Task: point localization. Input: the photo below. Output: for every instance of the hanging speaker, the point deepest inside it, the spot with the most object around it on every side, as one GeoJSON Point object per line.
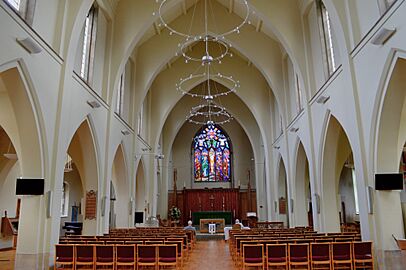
{"type": "Point", "coordinates": [370, 199]}
{"type": "Point", "coordinates": [291, 205]}
{"type": "Point", "coordinates": [103, 205]}
{"type": "Point", "coordinates": [317, 201]}
{"type": "Point", "coordinates": [49, 203]}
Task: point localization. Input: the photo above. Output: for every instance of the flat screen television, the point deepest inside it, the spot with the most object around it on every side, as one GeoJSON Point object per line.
{"type": "Point", "coordinates": [138, 217]}
{"type": "Point", "coordinates": [389, 181]}
{"type": "Point", "coordinates": [30, 186]}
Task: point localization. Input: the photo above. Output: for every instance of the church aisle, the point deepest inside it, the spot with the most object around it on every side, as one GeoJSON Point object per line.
{"type": "Point", "coordinates": [211, 254]}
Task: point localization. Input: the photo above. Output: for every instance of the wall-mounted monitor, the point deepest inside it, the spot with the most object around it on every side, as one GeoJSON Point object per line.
{"type": "Point", "coordinates": [138, 217]}
{"type": "Point", "coordinates": [30, 186]}
{"type": "Point", "coordinates": [389, 181]}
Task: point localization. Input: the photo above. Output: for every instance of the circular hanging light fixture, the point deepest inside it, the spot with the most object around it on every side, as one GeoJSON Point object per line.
{"type": "Point", "coordinates": [215, 50]}
{"type": "Point", "coordinates": [209, 88]}
{"type": "Point", "coordinates": [209, 113]}
{"type": "Point", "coordinates": [188, 34]}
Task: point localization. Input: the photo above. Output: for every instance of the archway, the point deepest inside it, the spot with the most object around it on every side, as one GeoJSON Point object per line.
{"type": "Point", "coordinates": [302, 203]}
{"type": "Point", "coordinates": [72, 194]}
{"type": "Point", "coordinates": [337, 149]}
{"type": "Point", "coordinates": [390, 140]}
{"type": "Point", "coordinates": [140, 185]}
{"type": "Point", "coordinates": [83, 153]}
{"type": "Point", "coordinates": [19, 120]}
{"type": "Point", "coordinates": [9, 171]}
{"type": "Point", "coordinates": [283, 194]}
{"type": "Point", "coordinates": [119, 193]}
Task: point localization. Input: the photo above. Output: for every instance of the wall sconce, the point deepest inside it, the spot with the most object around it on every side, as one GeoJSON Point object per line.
{"type": "Point", "coordinates": [277, 147]}
{"type": "Point", "coordinates": [125, 132]}
{"type": "Point", "coordinates": [294, 129]}
{"type": "Point", "coordinates": [93, 103]}
{"type": "Point", "coordinates": [322, 99]}
{"type": "Point", "coordinates": [29, 45]}
{"type": "Point", "coordinates": [383, 36]}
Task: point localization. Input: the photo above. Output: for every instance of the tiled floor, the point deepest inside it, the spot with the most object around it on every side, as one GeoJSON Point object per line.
{"type": "Point", "coordinates": [210, 255]}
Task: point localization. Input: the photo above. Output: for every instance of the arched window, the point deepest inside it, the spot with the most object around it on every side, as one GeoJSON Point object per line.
{"type": "Point", "coordinates": [211, 151]}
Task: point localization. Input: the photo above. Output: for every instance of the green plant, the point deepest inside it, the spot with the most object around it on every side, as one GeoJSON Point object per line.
{"type": "Point", "coordinates": [174, 213]}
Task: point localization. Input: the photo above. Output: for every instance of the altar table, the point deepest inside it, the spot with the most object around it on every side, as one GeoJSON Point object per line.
{"type": "Point", "coordinates": [204, 224]}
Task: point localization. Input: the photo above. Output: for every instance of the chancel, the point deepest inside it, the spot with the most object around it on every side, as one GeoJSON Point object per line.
{"type": "Point", "coordinates": [138, 116]}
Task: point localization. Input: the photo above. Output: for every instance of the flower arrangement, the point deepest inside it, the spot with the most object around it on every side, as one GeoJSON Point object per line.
{"type": "Point", "coordinates": [174, 213]}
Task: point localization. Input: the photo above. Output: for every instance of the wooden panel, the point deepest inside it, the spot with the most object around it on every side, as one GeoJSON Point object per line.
{"type": "Point", "coordinates": [91, 205]}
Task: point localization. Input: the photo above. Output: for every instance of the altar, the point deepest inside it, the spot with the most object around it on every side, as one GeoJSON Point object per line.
{"type": "Point", "coordinates": [218, 222]}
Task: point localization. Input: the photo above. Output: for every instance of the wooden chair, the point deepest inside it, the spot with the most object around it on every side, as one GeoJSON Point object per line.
{"type": "Point", "coordinates": [147, 256]}
{"type": "Point", "coordinates": [64, 256]}
{"type": "Point", "coordinates": [168, 255]}
{"type": "Point", "coordinates": [320, 256]}
{"type": "Point", "coordinates": [125, 256]}
{"type": "Point", "coordinates": [104, 256]}
{"type": "Point", "coordinates": [363, 255]}
{"type": "Point", "coordinates": [341, 255]}
{"type": "Point", "coordinates": [253, 255]}
{"type": "Point", "coordinates": [276, 255]}
{"type": "Point", "coordinates": [179, 249]}
{"type": "Point", "coordinates": [84, 256]}
{"type": "Point", "coordinates": [299, 256]}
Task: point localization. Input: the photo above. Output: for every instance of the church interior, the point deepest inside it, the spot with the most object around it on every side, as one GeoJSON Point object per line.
{"type": "Point", "coordinates": [282, 122]}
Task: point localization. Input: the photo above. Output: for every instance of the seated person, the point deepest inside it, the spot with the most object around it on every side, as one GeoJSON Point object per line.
{"type": "Point", "coordinates": [238, 225]}
{"type": "Point", "coordinates": [189, 226]}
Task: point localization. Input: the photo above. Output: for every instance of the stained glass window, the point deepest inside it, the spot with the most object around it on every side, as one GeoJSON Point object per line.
{"type": "Point", "coordinates": [211, 155]}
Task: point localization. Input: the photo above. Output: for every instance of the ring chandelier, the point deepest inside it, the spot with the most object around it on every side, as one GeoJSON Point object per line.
{"type": "Point", "coordinates": [164, 4]}
{"type": "Point", "coordinates": [207, 88]}
{"type": "Point", "coordinates": [208, 57]}
{"type": "Point", "coordinates": [209, 113]}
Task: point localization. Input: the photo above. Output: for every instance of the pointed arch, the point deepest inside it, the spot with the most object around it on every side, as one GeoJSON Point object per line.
{"type": "Point", "coordinates": [140, 187]}
{"type": "Point", "coordinates": [119, 178]}
{"type": "Point", "coordinates": [302, 187]}
{"type": "Point", "coordinates": [83, 152]}
{"type": "Point", "coordinates": [336, 150]}
{"type": "Point", "coordinates": [282, 192]}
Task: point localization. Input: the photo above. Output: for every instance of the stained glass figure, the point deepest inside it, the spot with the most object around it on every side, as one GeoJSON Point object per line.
{"type": "Point", "coordinates": [211, 155]}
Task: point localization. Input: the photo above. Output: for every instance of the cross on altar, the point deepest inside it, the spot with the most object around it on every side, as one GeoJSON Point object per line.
{"type": "Point", "coordinates": [211, 198]}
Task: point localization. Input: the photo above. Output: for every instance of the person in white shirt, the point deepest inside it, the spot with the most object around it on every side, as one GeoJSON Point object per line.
{"type": "Point", "coordinates": [189, 226]}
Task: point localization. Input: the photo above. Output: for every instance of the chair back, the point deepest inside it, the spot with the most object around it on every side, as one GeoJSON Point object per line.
{"type": "Point", "coordinates": [299, 252]}
{"type": "Point", "coordinates": [320, 251]}
{"type": "Point", "coordinates": [341, 251]}
{"type": "Point", "coordinates": [154, 242]}
{"type": "Point", "coordinates": [64, 252]}
{"type": "Point", "coordinates": [253, 253]}
{"type": "Point", "coordinates": [146, 253]}
{"type": "Point", "coordinates": [104, 253]}
{"type": "Point", "coordinates": [276, 252]}
{"type": "Point", "coordinates": [84, 253]}
{"type": "Point", "coordinates": [362, 250]}
{"type": "Point", "coordinates": [167, 253]}
{"type": "Point", "coordinates": [125, 253]}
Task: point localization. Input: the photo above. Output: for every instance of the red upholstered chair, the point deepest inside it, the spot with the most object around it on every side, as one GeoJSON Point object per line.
{"type": "Point", "coordinates": [179, 249]}
{"type": "Point", "coordinates": [64, 256]}
{"type": "Point", "coordinates": [84, 256]}
{"type": "Point", "coordinates": [342, 255]}
{"type": "Point", "coordinates": [320, 255]}
{"type": "Point", "coordinates": [168, 255]}
{"type": "Point", "coordinates": [147, 256]}
{"type": "Point", "coordinates": [104, 256]}
{"type": "Point", "coordinates": [299, 256]}
{"type": "Point", "coordinates": [253, 255]}
{"type": "Point", "coordinates": [125, 256]}
{"type": "Point", "coordinates": [363, 257]}
{"type": "Point", "coordinates": [277, 255]}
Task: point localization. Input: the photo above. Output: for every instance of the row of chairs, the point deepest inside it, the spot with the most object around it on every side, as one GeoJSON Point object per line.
{"type": "Point", "coordinates": [117, 256]}
{"type": "Point", "coordinates": [351, 255]}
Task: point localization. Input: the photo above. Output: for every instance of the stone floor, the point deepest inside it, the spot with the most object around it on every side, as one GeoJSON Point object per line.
{"type": "Point", "coordinates": [210, 255]}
